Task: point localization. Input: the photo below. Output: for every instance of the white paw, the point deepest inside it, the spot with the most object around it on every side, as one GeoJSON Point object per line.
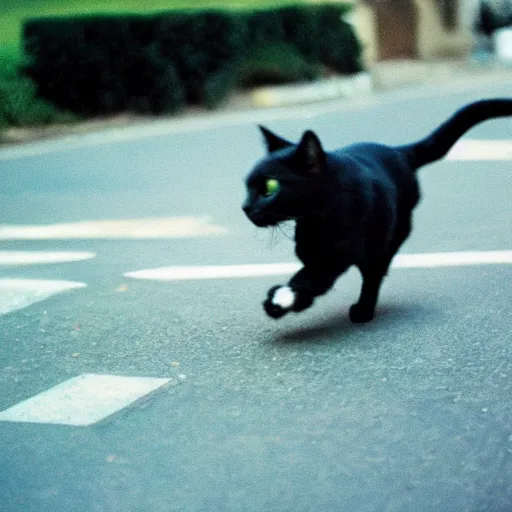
{"type": "Point", "coordinates": [283, 297]}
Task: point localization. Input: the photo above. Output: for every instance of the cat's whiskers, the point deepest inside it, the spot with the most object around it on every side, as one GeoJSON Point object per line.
{"type": "Point", "coordinates": [285, 227]}
{"type": "Point", "coordinates": [272, 241]}
{"type": "Point", "coordinates": [282, 225]}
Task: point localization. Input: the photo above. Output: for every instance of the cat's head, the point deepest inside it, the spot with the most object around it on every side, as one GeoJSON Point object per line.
{"type": "Point", "coordinates": [288, 183]}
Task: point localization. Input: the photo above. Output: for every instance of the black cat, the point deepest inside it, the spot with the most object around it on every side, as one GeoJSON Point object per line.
{"type": "Point", "coordinates": [352, 206]}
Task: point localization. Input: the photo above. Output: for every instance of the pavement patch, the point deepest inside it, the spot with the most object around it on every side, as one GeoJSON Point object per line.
{"type": "Point", "coordinates": [321, 90]}
{"type": "Point", "coordinates": [83, 400]}
{"type": "Point", "coordinates": [17, 258]}
{"type": "Point", "coordinates": [149, 228]}
{"type": "Point", "coordinates": [428, 260]}
{"type": "Point", "coordinates": [17, 294]}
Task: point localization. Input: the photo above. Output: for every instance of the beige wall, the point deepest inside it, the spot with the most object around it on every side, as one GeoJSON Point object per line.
{"type": "Point", "coordinates": [363, 20]}
{"type": "Point", "coordinates": [433, 39]}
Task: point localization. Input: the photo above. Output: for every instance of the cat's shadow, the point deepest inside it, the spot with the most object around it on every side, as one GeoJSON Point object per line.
{"type": "Point", "coordinates": [333, 324]}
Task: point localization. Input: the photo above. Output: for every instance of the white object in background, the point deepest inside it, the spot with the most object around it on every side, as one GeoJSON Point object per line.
{"type": "Point", "coordinates": [503, 44]}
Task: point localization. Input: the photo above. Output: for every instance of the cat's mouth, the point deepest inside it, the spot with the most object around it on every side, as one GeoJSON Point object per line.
{"type": "Point", "coordinates": [264, 221]}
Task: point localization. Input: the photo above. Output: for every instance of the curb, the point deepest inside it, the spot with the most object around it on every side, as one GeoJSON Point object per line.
{"type": "Point", "coordinates": [328, 89]}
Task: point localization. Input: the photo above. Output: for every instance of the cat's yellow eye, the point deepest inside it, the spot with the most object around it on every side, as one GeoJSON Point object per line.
{"type": "Point", "coordinates": [271, 187]}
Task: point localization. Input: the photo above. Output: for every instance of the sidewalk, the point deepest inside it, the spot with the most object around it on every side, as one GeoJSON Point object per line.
{"type": "Point", "coordinates": [383, 76]}
{"type": "Point", "coordinates": [407, 73]}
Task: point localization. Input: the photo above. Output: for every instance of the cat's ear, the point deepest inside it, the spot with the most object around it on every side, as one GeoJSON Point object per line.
{"type": "Point", "coordinates": [310, 153]}
{"type": "Point", "coordinates": [273, 141]}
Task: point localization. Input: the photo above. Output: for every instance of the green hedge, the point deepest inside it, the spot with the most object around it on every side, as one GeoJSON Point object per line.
{"type": "Point", "coordinates": [158, 63]}
{"type": "Point", "coordinates": [19, 104]}
{"type": "Point", "coordinates": [277, 63]}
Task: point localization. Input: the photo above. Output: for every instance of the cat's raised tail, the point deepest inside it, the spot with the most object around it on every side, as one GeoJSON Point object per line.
{"type": "Point", "coordinates": [437, 144]}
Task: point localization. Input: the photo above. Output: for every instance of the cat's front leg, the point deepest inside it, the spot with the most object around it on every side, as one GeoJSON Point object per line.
{"type": "Point", "coordinates": [282, 298]}
{"type": "Point", "coordinates": [300, 292]}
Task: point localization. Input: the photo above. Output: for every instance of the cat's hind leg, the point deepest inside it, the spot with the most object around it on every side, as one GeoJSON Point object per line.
{"type": "Point", "coordinates": [374, 272]}
{"type": "Point", "coordinates": [364, 309]}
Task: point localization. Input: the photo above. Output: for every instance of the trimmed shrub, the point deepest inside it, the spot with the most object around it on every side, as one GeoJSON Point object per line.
{"type": "Point", "coordinates": [104, 64]}
{"type": "Point", "coordinates": [263, 28]}
{"type": "Point", "coordinates": [217, 87]}
{"type": "Point", "coordinates": [94, 66]}
{"type": "Point", "coordinates": [277, 63]}
{"type": "Point", "coordinates": [19, 105]}
{"type": "Point", "coordinates": [150, 83]}
{"type": "Point", "coordinates": [203, 47]}
{"type": "Point", "coordinates": [321, 34]}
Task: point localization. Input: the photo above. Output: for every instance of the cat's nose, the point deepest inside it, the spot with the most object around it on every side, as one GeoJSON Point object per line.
{"type": "Point", "coordinates": [246, 208]}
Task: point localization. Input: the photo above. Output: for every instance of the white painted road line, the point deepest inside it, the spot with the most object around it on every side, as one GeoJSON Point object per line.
{"type": "Point", "coordinates": [16, 258]}
{"type": "Point", "coordinates": [17, 294]}
{"type": "Point", "coordinates": [429, 260]}
{"type": "Point", "coordinates": [149, 228]}
{"type": "Point", "coordinates": [481, 150]}
{"type": "Point", "coordinates": [452, 259]}
{"type": "Point", "coordinates": [214, 272]}
{"type": "Point", "coordinates": [83, 400]}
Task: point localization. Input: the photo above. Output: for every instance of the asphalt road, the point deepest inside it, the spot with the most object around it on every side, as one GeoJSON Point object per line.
{"type": "Point", "coordinates": [412, 412]}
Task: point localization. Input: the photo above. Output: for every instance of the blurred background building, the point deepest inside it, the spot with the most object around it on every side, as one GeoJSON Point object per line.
{"type": "Point", "coordinates": [423, 29]}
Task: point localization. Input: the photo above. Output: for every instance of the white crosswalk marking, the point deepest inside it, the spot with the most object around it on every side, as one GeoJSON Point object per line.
{"type": "Point", "coordinates": [17, 258]}
{"type": "Point", "coordinates": [17, 294]}
{"type": "Point", "coordinates": [150, 228]}
{"type": "Point", "coordinates": [82, 400]}
{"type": "Point", "coordinates": [180, 273]}
{"type": "Point", "coordinates": [429, 260]}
